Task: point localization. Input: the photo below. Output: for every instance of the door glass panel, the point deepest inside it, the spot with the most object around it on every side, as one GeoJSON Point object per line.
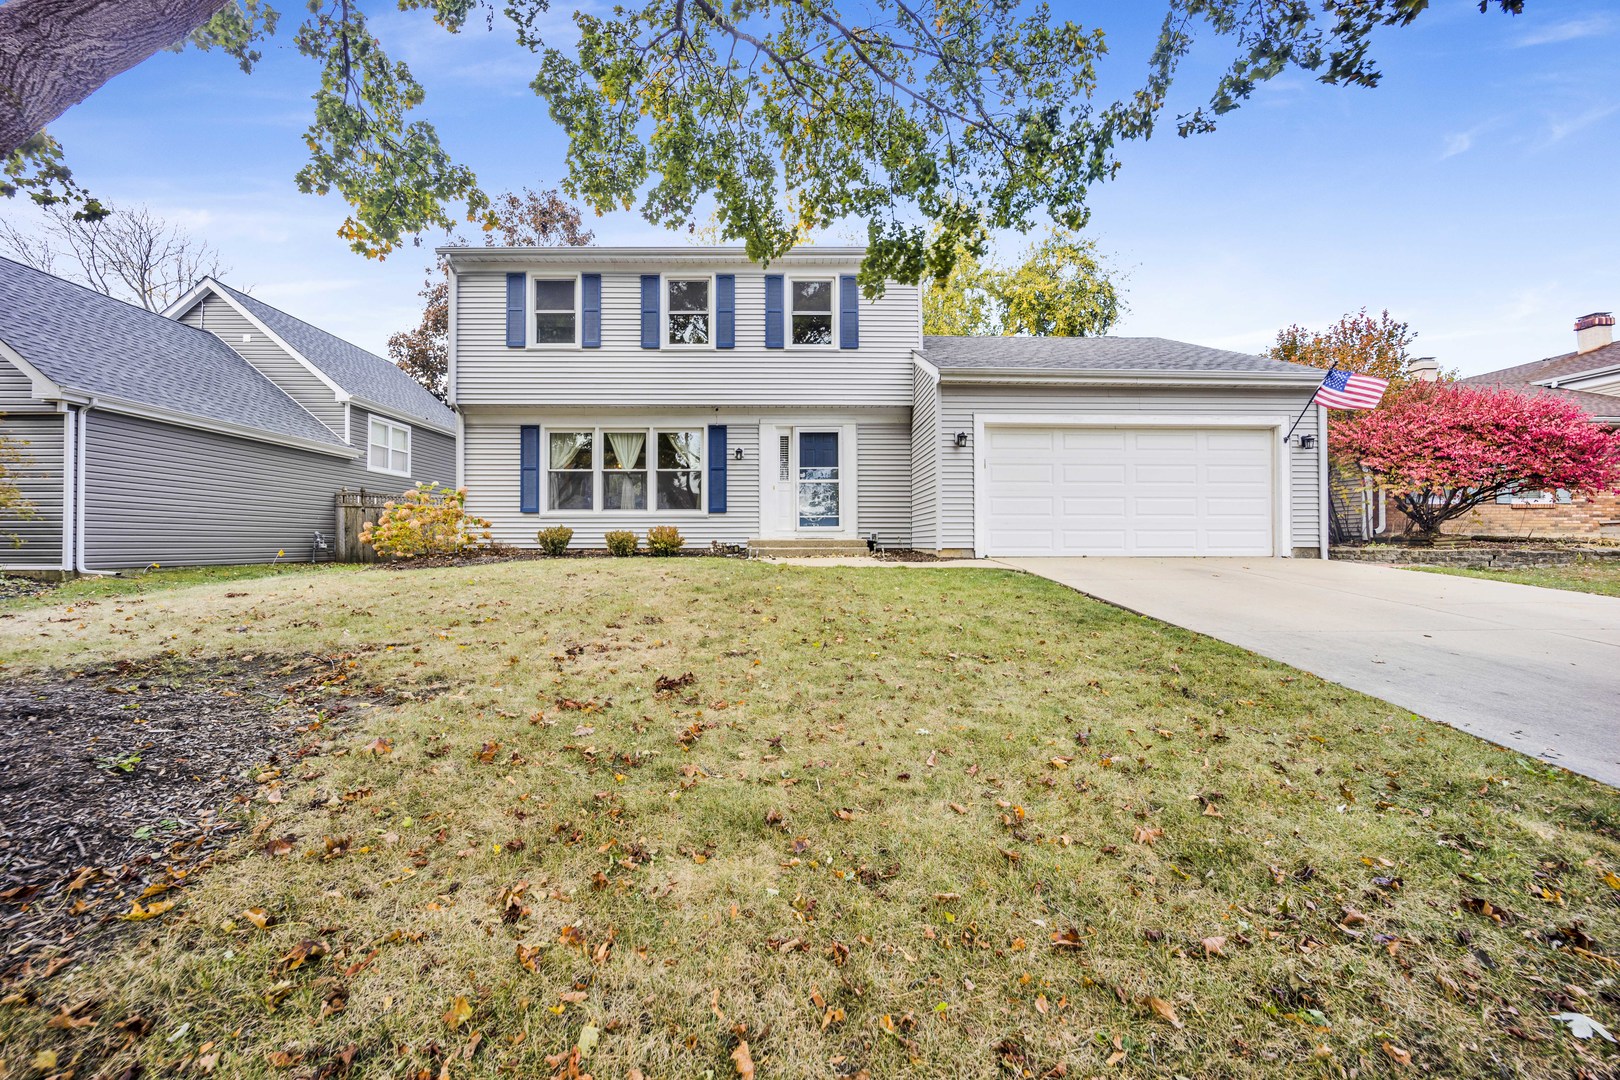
{"type": "Point", "coordinates": [819, 480]}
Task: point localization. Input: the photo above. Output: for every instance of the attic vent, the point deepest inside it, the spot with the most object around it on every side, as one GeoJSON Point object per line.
{"type": "Point", "coordinates": [247, 337]}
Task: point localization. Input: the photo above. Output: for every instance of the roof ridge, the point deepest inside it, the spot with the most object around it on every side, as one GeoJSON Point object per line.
{"type": "Point", "coordinates": [302, 322]}
{"type": "Point", "coordinates": [99, 295]}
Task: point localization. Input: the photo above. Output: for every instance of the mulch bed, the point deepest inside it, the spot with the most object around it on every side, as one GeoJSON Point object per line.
{"type": "Point", "coordinates": [487, 556]}
{"type": "Point", "coordinates": [16, 588]}
{"type": "Point", "coordinates": [118, 783]}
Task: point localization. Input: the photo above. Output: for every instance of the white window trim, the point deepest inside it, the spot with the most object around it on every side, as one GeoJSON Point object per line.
{"type": "Point", "coordinates": [598, 450]}
{"type": "Point", "coordinates": [787, 311]}
{"type": "Point", "coordinates": [665, 312]}
{"type": "Point", "coordinates": [529, 311]}
{"type": "Point", "coordinates": [390, 427]}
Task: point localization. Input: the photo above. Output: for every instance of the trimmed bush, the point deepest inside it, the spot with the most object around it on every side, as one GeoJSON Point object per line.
{"type": "Point", "coordinates": [554, 541]}
{"type": "Point", "coordinates": [620, 542]}
{"type": "Point", "coordinates": [427, 520]}
{"type": "Point", "coordinates": [664, 540]}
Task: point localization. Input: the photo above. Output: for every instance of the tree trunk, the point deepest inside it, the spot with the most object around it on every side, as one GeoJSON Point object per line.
{"type": "Point", "coordinates": [56, 53]}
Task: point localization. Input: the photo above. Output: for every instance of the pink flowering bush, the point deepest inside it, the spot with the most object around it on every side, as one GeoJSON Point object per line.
{"type": "Point", "coordinates": [1441, 449]}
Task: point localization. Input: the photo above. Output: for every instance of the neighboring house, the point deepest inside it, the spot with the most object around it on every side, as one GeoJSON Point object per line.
{"type": "Point", "coordinates": [1589, 377]}
{"type": "Point", "coordinates": [621, 388]}
{"type": "Point", "coordinates": [216, 434]}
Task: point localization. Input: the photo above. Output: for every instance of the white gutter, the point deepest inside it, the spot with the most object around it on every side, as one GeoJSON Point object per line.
{"type": "Point", "coordinates": [662, 256]}
{"type": "Point", "coordinates": [1124, 377]}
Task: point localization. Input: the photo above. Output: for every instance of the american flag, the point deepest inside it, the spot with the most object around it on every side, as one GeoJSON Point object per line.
{"type": "Point", "coordinates": [1347, 390]}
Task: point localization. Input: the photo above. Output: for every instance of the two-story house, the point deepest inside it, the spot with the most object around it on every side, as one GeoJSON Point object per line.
{"type": "Point", "coordinates": [620, 388]}
{"type": "Point", "coordinates": [219, 433]}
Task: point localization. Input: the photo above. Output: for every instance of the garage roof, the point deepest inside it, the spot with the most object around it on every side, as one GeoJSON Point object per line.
{"type": "Point", "coordinates": [1098, 355]}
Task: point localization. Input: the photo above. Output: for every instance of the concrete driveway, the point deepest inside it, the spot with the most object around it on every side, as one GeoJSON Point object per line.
{"type": "Point", "coordinates": [1537, 670]}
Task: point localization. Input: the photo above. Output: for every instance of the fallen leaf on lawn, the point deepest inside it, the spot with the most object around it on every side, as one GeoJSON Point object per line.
{"type": "Point", "coordinates": [959, 808]}
{"type": "Point", "coordinates": [1582, 1026]}
{"type": "Point", "coordinates": [307, 949]}
{"type": "Point", "coordinates": [1164, 1011]}
{"type": "Point", "coordinates": [281, 845]}
{"type": "Point", "coordinates": [70, 1019]}
{"type": "Point", "coordinates": [1214, 946]}
{"type": "Point", "coordinates": [1481, 906]}
{"type": "Point", "coordinates": [589, 1036]}
{"type": "Point", "coordinates": [527, 954]}
{"type": "Point", "coordinates": [1147, 836]}
{"type": "Point", "coordinates": [258, 917]}
{"type": "Point", "coordinates": [45, 1060]}
{"type": "Point", "coordinates": [745, 1064]}
{"type": "Point", "coordinates": [1396, 1054]}
{"type": "Point", "coordinates": [136, 912]}
{"type": "Point", "coordinates": [379, 746]}
{"type": "Point", "coordinates": [280, 1059]}
{"type": "Point", "coordinates": [459, 1012]}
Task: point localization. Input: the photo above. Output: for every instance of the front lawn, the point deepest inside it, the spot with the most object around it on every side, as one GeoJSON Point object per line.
{"type": "Point", "coordinates": [705, 817]}
{"type": "Point", "coordinates": [1602, 578]}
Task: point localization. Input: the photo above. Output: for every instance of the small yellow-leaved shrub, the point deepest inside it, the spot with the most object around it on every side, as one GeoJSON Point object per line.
{"type": "Point", "coordinates": [428, 520]}
{"type": "Point", "coordinates": [664, 540]}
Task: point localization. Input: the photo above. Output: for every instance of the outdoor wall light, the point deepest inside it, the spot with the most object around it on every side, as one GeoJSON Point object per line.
{"type": "Point", "coordinates": [1307, 441]}
{"type": "Point", "coordinates": [737, 454]}
{"type": "Point", "coordinates": [961, 438]}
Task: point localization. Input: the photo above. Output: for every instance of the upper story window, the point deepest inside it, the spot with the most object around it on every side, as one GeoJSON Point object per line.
{"type": "Point", "coordinates": [556, 318]}
{"type": "Point", "coordinates": [690, 311]}
{"type": "Point", "coordinates": [812, 311]}
{"type": "Point", "coordinates": [388, 447]}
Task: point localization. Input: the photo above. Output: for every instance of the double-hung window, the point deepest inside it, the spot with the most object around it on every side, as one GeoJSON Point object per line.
{"type": "Point", "coordinates": [680, 470]}
{"type": "Point", "coordinates": [811, 318]}
{"type": "Point", "coordinates": [556, 317]}
{"type": "Point", "coordinates": [571, 478]}
{"type": "Point", "coordinates": [691, 312]}
{"type": "Point", "coordinates": [388, 447]}
{"type": "Point", "coordinates": [624, 470]}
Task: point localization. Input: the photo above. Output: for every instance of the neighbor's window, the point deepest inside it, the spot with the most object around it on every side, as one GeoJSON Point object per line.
{"type": "Point", "coordinates": [680, 470]}
{"type": "Point", "coordinates": [554, 316]}
{"type": "Point", "coordinates": [624, 470]}
{"type": "Point", "coordinates": [813, 311]}
{"type": "Point", "coordinates": [570, 478]}
{"type": "Point", "coordinates": [390, 447]}
{"type": "Point", "coordinates": [688, 310]}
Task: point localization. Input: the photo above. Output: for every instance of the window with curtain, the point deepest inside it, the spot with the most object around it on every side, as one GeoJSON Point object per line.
{"type": "Point", "coordinates": [680, 470]}
{"type": "Point", "coordinates": [555, 319]}
{"type": "Point", "coordinates": [812, 315]}
{"type": "Point", "coordinates": [570, 473]}
{"type": "Point", "coordinates": [624, 470]}
{"type": "Point", "coordinates": [688, 311]}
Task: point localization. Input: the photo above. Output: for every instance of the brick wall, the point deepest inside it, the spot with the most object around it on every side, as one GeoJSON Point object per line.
{"type": "Point", "coordinates": [1584, 517]}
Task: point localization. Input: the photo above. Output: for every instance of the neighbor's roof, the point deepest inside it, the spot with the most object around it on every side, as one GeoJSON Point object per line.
{"type": "Point", "coordinates": [1100, 355]}
{"type": "Point", "coordinates": [100, 347]}
{"type": "Point", "coordinates": [1534, 377]}
{"type": "Point", "coordinates": [363, 374]}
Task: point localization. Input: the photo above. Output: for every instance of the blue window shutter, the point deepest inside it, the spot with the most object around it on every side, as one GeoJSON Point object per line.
{"type": "Point", "coordinates": [529, 468]}
{"type": "Point", "coordinates": [516, 286]}
{"type": "Point", "coordinates": [717, 468]}
{"type": "Point", "coordinates": [649, 311]}
{"type": "Point", "coordinates": [849, 312]}
{"type": "Point", "coordinates": [725, 312]}
{"type": "Point", "coordinates": [590, 295]}
{"type": "Point", "coordinates": [773, 311]}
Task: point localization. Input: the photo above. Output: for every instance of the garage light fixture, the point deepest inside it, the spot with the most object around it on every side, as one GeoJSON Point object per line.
{"type": "Point", "coordinates": [1307, 441]}
{"type": "Point", "coordinates": [961, 438]}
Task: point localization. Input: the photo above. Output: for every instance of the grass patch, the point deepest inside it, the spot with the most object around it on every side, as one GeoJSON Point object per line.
{"type": "Point", "coordinates": [897, 821]}
{"type": "Point", "coordinates": [142, 582]}
{"type": "Point", "coordinates": [1602, 578]}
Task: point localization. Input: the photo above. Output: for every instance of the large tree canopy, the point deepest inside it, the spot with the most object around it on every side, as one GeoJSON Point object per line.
{"type": "Point", "coordinates": [929, 120]}
{"type": "Point", "coordinates": [1059, 287]}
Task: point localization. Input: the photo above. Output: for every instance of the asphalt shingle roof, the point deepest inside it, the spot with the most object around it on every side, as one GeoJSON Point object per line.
{"type": "Point", "coordinates": [1526, 377]}
{"type": "Point", "coordinates": [1093, 354]}
{"type": "Point", "coordinates": [363, 374]}
{"type": "Point", "coordinates": [91, 343]}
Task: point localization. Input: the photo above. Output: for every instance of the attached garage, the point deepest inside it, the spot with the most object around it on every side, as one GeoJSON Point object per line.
{"type": "Point", "coordinates": [1080, 490]}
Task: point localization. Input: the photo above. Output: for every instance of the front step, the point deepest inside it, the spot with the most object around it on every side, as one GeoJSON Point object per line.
{"type": "Point", "coordinates": [811, 547]}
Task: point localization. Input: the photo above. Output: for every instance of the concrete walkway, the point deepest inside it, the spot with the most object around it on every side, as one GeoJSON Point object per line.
{"type": "Point", "coordinates": [1537, 670]}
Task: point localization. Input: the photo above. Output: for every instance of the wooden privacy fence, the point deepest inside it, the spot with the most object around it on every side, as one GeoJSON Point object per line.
{"type": "Point", "coordinates": [354, 509]}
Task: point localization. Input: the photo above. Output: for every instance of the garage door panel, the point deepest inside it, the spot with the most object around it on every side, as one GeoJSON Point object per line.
{"type": "Point", "coordinates": [1125, 491]}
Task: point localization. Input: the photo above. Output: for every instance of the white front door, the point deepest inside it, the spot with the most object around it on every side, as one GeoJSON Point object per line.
{"type": "Point", "coordinates": [808, 486]}
{"type": "Point", "coordinates": [1129, 491]}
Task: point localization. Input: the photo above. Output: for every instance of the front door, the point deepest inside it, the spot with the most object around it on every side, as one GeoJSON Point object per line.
{"type": "Point", "coordinates": [819, 483]}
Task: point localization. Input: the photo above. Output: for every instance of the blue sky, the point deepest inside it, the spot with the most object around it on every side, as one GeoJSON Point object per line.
{"type": "Point", "coordinates": [1471, 194]}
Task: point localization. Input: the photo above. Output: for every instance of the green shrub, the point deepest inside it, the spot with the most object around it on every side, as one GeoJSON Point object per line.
{"type": "Point", "coordinates": [427, 520]}
{"type": "Point", "coordinates": [554, 541]}
{"type": "Point", "coordinates": [664, 540]}
{"type": "Point", "coordinates": [620, 542]}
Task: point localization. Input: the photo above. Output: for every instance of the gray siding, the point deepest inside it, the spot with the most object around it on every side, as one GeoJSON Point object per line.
{"type": "Point", "coordinates": [15, 387]}
{"type": "Point", "coordinates": [433, 456]}
{"type": "Point", "coordinates": [883, 483]}
{"type": "Point", "coordinates": [158, 493]}
{"type": "Point", "coordinates": [493, 487]}
{"type": "Point", "coordinates": [959, 404]}
{"type": "Point", "coordinates": [622, 373]}
{"type": "Point", "coordinates": [39, 439]}
{"type": "Point", "coordinates": [925, 452]}
{"type": "Point", "coordinates": [219, 318]}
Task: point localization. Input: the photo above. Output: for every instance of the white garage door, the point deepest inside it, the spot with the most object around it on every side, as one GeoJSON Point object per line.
{"type": "Point", "coordinates": [1128, 491]}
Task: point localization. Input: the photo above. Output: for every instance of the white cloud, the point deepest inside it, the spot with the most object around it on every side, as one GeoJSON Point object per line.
{"type": "Point", "coordinates": [1568, 30]}
{"type": "Point", "coordinates": [1457, 143]}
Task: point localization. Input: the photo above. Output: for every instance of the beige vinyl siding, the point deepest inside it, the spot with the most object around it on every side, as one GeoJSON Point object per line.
{"type": "Point", "coordinates": [39, 476]}
{"type": "Point", "coordinates": [959, 404]}
{"type": "Point", "coordinates": [925, 451]}
{"type": "Point", "coordinates": [883, 482]}
{"type": "Point", "coordinates": [219, 318]}
{"type": "Point", "coordinates": [622, 373]}
{"type": "Point", "coordinates": [491, 451]}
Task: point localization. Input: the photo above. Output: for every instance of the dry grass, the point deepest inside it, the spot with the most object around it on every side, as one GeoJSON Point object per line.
{"type": "Point", "coordinates": [903, 821]}
{"type": "Point", "coordinates": [1602, 578]}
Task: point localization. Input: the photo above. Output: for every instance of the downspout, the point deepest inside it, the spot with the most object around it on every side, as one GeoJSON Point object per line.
{"type": "Point", "coordinates": [70, 485]}
{"type": "Point", "coordinates": [78, 496]}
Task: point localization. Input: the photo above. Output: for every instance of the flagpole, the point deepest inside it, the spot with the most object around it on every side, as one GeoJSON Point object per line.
{"type": "Point", "coordinates": [1308, 404]}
